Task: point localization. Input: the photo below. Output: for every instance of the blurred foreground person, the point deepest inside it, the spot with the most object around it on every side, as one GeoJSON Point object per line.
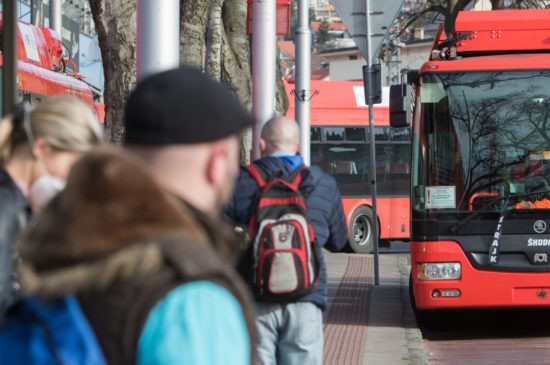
{"type": "Point", "coordinates": [142, 246]}
{"type": "Point", "coordinates": [37, 149]}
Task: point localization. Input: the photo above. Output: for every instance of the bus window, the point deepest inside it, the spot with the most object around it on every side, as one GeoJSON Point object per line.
{"type": "Point", "coordinates": [348, 164]}
{"type": "Point", "coordinates": [316, 153]}
{"type": "Point", "coordinates": [355, 134]}
{"type": "Point", "coordinates": [382, 133]}
{"type": "Point", "coordinates": [315, 134]}
{"type": "Point", "coordinates": [334, 134]}
{"type": "Point", "coordinates": [401, 134]}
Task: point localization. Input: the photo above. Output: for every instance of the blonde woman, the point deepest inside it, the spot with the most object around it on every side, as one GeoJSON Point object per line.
{"type": "Point", "coordinates": [37, 150]}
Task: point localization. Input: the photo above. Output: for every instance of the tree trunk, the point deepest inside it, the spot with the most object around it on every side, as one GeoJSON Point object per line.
{"type": "Point", "coordinates": [115, 22]}
{"type": "Point", "coordinates": [281, 105]}
{"type": "Point", "coordinates": [214, 40]}
{"type": "Point", "coordinates": [236, 69]}
{"type": "Point", "coordinates": [193, 24]}
{"type": "Point", "coordinates": [229, 56]}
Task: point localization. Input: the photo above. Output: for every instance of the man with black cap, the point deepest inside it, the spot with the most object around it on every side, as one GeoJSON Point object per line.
{"type": "Point", "coordinates": [142, 245]}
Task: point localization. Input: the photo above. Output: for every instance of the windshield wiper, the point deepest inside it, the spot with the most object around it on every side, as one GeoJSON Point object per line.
{"type": "Point", "coordinates": [454, 228]}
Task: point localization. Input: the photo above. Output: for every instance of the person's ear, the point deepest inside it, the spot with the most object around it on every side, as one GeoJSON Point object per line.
{"type": "Point", "coordinates": [263, 145]}
{"type": "Point", "coordinates": [217, 163]}
{"type": "Point", "coordinates": [40, 146]}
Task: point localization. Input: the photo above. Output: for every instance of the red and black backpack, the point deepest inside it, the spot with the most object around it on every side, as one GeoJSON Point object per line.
{"type": "Point", "coordinates": [283, 255]}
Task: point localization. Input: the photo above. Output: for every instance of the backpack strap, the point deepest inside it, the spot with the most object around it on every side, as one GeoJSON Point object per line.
{"type": "Point", "coordinates": [292, 180]}
{"type": "Point", "coordinates": [254, 171]}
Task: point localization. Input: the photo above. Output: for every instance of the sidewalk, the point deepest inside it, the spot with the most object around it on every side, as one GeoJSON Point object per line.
{"type": "Point", "coordinates": [368, 324]}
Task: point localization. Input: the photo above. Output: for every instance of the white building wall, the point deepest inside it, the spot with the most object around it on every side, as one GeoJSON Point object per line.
{"type": "Point", "coordinates": [346, 69]}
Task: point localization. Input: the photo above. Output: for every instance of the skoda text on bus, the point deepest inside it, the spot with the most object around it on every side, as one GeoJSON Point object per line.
{"type": "Point", "coordinates": [340, 145]}
{"type": "Point", "coordinates": [480, 217]}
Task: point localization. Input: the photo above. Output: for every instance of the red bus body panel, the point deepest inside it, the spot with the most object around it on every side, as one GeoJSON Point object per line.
{"type": "Point", "coordinates": [337, 103]}
{"type": "Point", "coordinates": [478, 288]}
{"type": "Point", "coordinates": [393, 214]}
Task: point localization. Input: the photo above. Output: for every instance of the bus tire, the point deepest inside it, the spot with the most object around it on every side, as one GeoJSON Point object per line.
{"type": "Point", "coordinates": [360, 236]}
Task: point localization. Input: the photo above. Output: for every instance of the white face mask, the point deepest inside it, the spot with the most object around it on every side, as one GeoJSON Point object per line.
{"type": "Point", "coordinates": [44, 189]}
{"type": "Point", "coordinates": [47, 186]}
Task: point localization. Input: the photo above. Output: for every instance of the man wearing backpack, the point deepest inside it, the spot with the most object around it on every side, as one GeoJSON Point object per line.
{"type": "Point", "coordinates": [290, 332]}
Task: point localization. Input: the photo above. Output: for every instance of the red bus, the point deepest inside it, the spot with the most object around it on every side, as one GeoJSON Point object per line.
{"type": "Point", "coordinates": [340, 145]}
{"type": "Point", "coordinates": [42, 71]}
{"type": "Point", "coordinates": [480, 166]}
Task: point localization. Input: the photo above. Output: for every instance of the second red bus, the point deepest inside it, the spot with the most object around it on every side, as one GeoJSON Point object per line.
{"type": "Point", "coordinates": [340, 145]}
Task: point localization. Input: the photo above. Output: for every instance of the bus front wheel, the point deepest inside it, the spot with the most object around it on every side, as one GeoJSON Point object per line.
{"type": "Point", "coordinates": [360, 236]}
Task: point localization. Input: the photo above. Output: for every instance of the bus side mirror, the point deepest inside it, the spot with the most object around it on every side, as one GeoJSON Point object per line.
{"type": "Point", "coordinates": [399, 103]}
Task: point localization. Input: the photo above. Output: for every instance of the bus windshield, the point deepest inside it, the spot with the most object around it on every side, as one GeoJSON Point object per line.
{"type": "Point", "coordinates": [479, 136]}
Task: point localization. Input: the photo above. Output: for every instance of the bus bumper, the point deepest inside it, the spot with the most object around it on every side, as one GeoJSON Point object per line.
{"type": "Point", "coordinates": [474, 288]}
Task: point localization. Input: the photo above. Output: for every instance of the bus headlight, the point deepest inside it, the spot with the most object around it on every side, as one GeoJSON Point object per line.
{"type": "Point", "coordinates": [439, 271]}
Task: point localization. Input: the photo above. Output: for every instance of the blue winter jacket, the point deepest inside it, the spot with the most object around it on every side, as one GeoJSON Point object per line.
{"type": "Point", "coordinates": [324, 204]}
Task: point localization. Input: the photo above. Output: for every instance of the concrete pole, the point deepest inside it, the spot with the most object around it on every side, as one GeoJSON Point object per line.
{"type": "Point", "coordinates": [264, 56]}
{"type": "Point", "coordinates": [9, 77]}
{"type": "Point", "coordinates": [302, 93]}
{"type": "Point", "coordinates": [158, 31]}
{"type": "Point", "coordinates": [34, 11]}
{"type": "Point", "coordinates": [55, 15]}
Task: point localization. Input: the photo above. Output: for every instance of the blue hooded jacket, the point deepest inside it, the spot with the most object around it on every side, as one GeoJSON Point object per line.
{"type": "Point", "coordinates": [324, 204]}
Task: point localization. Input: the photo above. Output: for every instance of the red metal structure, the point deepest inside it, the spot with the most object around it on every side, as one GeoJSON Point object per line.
{"type": "Point", "coordinates": [282, 15]}
{"type": "Point", "coordinates": [41, 69]}
{"type": "Point", "coordinates": [340, 145]}
{"type": "Point", "coordinates": [481, 145]}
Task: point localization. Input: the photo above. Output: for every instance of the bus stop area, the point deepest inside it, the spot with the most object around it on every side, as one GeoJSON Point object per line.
{"type": "Point", "coordinates": [367, 323]}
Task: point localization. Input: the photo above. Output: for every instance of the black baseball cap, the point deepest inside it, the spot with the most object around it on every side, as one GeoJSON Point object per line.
{"type": "Point", "coordinates": [182, 106]}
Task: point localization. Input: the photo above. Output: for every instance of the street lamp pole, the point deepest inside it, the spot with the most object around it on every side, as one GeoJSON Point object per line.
{"type": "Point", "coordinates": [264, 46]}
{"type": "Point", "coordinates": [302, 92]}
{"type": "Point", "coordinates": [9, 77]}
{"type": "Point", "coordinates": [55, 15]}
{"type": "Point", "coordinates": [158, 31]}
{"type": "Point", "coordinates": [370, 99]}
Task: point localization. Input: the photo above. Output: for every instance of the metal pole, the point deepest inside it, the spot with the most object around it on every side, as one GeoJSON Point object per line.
{"type": "Point", "coordinates": [302, 93]}
{"type": "Point", "coordinates": [34, 12]}
{"type": "Point", "coordinates": [370, 59]}
{"type": "Point", "coordinates": [158, 31]}
{"type": "Point", "coordinates": [264, 46]}
{"type": "Point", "coordinates": [55, 15]}
{"type": "Point", "coordinates": [9, 75]}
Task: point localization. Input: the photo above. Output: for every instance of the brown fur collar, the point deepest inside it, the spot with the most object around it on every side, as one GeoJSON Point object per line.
{"type": "Point", "coordinates": [110, 202]}
{"type": "Point", "coordinates": [143, 260]}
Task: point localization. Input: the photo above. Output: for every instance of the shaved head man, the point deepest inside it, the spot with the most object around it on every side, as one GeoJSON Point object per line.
{"type": "Point", "coordinates": [292, 332]}
{"type": "Point", "coordinates": [280, 134]}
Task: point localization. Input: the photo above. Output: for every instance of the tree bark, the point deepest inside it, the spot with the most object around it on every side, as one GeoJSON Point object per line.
{"type": "Point", "coordinates": [236, 69]}
{"type": "Point", "coordinates": [193, 24]}
{"type": "Point", "coordinates": [226, 56]}
{"type": "Point", "coordinates": [115, 22]}
{"type": "Point", "coordinates": [214, 40]}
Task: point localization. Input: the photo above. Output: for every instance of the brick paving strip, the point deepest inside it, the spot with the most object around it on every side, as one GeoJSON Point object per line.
{"type": "Point", "coordinates": [345, 327]}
